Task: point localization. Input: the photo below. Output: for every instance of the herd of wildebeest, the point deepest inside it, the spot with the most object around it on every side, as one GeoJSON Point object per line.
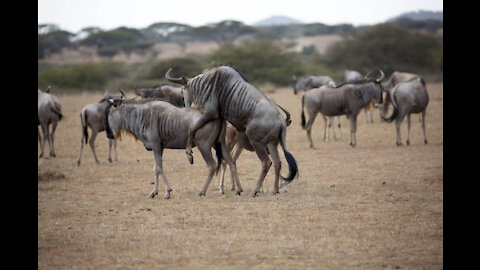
{"type": "Point", "coordinates": [219, 109]}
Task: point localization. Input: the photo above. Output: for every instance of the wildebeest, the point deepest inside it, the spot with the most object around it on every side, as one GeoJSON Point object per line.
{"type": "Point", "coordinates": [398, 77]}
{"type": "Point", "coordinates": [222, 92]}
{"type": "Point", "coordinates": [353, 76]}
{"type": "Point", "coordinates": [236, 141]}
{"type": "Point", "coordinates": [93, 116]}
{"type": "Point", "coordinates": [346, 99]}
{"type": "Point", "coordinates": [160, 125]}
{"type": "Point", "coordinates": [407, 97]}
{"type": "Point", "coordinates": [308, 82]}
{"type": "Point", "coordinates": [49, 113]}
{"type": "Point", "coordinates": [169, 93]}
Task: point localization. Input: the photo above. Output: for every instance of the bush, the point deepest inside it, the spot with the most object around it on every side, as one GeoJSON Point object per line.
{"type": "Point", "coordinates": [92, 76]}
{"type": "Point", "coordinates": [112, 42]}
{"type": "Point", "coordinates": [390, 48]}
{"type": "Point", "coordinates": [260, 61]}
{"type": "Point", "coordinates": [187, 66]}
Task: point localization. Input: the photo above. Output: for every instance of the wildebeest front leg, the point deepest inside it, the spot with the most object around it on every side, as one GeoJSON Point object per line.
{"type": "Point", "coordinates": [206, 117]}
{"type": "Point", "coordinates": [353, 130]}
{"type": "Point", "coordinates": [158, 169]}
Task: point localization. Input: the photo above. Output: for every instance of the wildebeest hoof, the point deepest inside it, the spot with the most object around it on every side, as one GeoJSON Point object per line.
{"type": "Point", "coordinates": [238, 193]}
{"type": "Point", "coordinates": [200, 194]}
{"type": "Point", "coordinates": [166, 197]}
{"type": "Point", "coordinates": [152, 195]}
{"type": "Point", "coordinates": [399, 144]}
{"type": "Point", "coordinates": [190, 158]}
{"type": "Point", "coordinates": [110, 160]}
{"type": "Point", "coordinates": [408, 142]}
{"type": "Point", "coordinates": [426, 142]}
{"type": "Point", "coordinates": [78, 163]}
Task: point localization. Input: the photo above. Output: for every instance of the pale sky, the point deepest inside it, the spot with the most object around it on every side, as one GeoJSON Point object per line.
{"type": "Point", "coordinates": [73, 15]}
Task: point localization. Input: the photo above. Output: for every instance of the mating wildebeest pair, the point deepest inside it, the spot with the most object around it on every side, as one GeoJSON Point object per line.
{"type": "Point", "coordinates": [221, 93]}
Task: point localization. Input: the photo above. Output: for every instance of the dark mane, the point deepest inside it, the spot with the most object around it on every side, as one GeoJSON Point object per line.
{"type": "Point", "coordinates": [356, 82]}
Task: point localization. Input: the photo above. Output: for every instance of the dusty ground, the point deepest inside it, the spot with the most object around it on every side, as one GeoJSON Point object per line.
{"type": "Point", "coordinates": [376, 206]}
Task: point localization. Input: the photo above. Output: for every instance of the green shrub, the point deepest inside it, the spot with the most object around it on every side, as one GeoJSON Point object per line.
{"type": "Point", "coordinates": [388, 47]}
{"type": "Point", "coordinates": [181, 66]}
{"type": "Point", "coordinates": [259, 61]}
{"type": "Point", "coordinates": [91, 76]}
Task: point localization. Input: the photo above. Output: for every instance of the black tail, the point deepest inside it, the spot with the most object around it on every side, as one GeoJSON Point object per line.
{"type": "Point", "coordinates": [85, 127]}
{"type": "Point", "coordinates": [292, 167]}
{"type": "Point", "coordinates": [303, 114]}
{"type": "Point", "coordinates": [422, 81]}
{"type": "Point", "coordinates": [292, 163]}
{"type": "Point", "coordinates": [218, 152]}
{"type": "Point", "coordinates": [393, 116]}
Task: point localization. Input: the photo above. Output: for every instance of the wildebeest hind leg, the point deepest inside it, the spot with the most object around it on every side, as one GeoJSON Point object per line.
{"type": "Point", "coordinates": [262, 154]}
{"type": "Point", "coordinates": [272, 149]}
{"type": "Point", "coordinates": [207, 156]}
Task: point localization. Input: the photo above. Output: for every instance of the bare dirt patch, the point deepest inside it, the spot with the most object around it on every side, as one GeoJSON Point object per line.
{"type": "Point", "coordinates": [376, 206]}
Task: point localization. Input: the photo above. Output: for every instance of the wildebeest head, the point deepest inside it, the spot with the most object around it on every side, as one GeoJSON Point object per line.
{"type": "Point", "coordinates": [378, 81]}
{"type": "Point", "coordinates": [112, 119]}
{"type": "Point", "coordinates": [300, 84]}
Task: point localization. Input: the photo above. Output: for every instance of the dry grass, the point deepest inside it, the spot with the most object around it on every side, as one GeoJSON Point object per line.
{"type": "Point", "coordinates": [376, 206]}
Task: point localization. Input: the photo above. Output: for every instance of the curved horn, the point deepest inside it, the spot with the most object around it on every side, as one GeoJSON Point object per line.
{"type": "Point", "coordinates": [181, 80]}
{"type": "Point", "coordinates": [382, 76]}
{"type": "Point", "coordinates": [367, 76]}
{"type": "Point", "coordinates": [124, 96]}
{"type": "Point", "coordinates": [107, 97]}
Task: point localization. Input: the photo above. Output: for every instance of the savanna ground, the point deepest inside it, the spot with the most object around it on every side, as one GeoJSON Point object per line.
{"type": "Point", "coordinates": [376, 206]}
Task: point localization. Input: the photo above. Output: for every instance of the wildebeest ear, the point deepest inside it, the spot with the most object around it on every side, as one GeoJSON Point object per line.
{"type": "Point", "coordinates": [48, 89]}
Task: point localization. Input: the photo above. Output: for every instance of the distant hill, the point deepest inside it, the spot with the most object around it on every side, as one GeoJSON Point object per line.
{"type": "Point", "coordinates": [419, 16]}
{"type": "Point", "coordinates": [277, 20]}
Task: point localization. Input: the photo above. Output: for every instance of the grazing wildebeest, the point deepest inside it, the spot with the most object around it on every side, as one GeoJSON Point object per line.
{"type": "Point", "coordinates": [169, 93]}
{"type": "Point", "coordinates": [346, 99]}
{"type": "Point", "coordinates": [222, 92]}
{"type": "Point", "coordinates": [406, 97]}
{"type": "Point", "coordinates": [49, 113]}
{"type": "Point", "coordinates": [160, 125]}
{"type": "Point", "coordinates": [308, 82]}
{"type": "Point", "coordinates": [93, 116]}
{"type": "Point", "coordinates": [236, 141]}
{"type": "Point", "coordinates": [352, 76]}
